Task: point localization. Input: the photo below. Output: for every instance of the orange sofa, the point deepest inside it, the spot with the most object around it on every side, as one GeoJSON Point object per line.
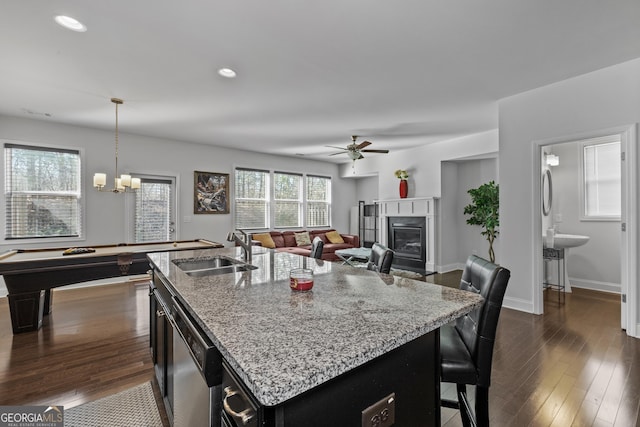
{"type": "Point", "coordinates": [285, 241]}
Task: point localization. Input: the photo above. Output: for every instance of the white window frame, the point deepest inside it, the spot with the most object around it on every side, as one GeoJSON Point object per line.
{"type": "Point", "coordinates": [327, 202]}
{"type": "Point", "coordinates": [267, 200]}
{"type": "Point", "coordinates": [81, 203]}
{"type": "Point", "coordinates": [270, 202]}
{"type": "Point", "coordinates": [610, 139]}
{"type": "Point", "coordinates": [299, 200]}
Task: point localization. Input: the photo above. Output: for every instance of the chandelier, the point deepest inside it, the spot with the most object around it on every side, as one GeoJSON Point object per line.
{"type": "Point", "coordinates": [124, 182]}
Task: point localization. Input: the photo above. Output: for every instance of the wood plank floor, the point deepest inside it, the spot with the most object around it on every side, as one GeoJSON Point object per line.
{"type": "Point", "coordinates": [571, 366]}
{"type": "Point", "coordinates": [95, 343]}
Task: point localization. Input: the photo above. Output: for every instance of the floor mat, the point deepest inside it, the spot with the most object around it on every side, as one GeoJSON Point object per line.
{"type": "Point", "coordinates": [133, 407]}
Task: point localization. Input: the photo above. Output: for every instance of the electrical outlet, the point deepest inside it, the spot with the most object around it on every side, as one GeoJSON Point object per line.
{"type": "Point", "coordinates": [380, 414]}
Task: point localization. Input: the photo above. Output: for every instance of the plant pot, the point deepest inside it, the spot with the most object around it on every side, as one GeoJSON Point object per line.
{"type": "Point", "coordinates": [404, 188]}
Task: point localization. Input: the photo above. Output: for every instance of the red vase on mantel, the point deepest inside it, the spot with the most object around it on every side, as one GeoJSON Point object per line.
{"type": "Point", "coordinates": [404, 188]}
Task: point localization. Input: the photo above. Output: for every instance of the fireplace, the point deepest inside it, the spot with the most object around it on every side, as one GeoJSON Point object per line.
{"type": "Point", "coordinates": [407, 238]}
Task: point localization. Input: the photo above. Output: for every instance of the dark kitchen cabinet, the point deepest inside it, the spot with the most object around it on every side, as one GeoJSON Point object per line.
{"type": "Point", "coordinates": [161, 342]}
{"type": "Point", "coordinates": [409, 373]}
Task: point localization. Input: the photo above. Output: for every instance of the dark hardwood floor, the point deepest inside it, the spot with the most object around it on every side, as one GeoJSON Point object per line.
{"type": "Point", "coordinates": [571, 366]}
{"type": "Point", "coordinates": [93, 344]}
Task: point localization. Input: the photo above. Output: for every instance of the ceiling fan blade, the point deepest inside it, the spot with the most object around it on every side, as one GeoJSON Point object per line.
{"type": "Point", "coordinates": [362, 145]}
{"type": "Point", "coordinates": [376, 151]}
{"type": "Point", "coordinates": [337, 148]}
{"type": "Point", "coordinates": [339, 152]}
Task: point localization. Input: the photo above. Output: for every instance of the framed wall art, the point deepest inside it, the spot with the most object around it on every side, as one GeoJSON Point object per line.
{"type": "Point", "coordinates": [211, 193]}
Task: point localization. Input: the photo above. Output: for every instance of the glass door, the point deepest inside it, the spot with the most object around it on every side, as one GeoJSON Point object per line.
{"type": "Point", "coordinates": [153, 213]}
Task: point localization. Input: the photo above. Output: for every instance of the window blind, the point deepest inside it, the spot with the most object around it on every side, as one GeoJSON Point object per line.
{"type": "Point", "coordinates": [318, 201]}
{"type": "Point", "coordinates": [251, 199]}
{"type": "Point", "coordinates": [602, 180]}
{"type": "Point", "coordinates": [42, 192]}
{"type": "Point", "coordinates": [287, 189]}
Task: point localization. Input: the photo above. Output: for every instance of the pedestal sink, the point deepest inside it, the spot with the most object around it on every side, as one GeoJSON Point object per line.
{"type": "Point", "coordinates": [566, 241]}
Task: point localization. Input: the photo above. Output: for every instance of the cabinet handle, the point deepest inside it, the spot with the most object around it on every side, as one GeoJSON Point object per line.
{"type": "Point", "coordinates": [160, 313]}
{"type": "Point", "coordinates": [244, 416]}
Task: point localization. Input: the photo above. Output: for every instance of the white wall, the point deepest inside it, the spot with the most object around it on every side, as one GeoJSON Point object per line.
{"type": "Point", "coordinates": [105, 212]}
{"type": "Point", "coordinates": [472, 174]}
{"type": "Point", "coordinates": [600, 100]}
{"type": "Point", "coordinates": [596, 264]}
{"type": "Point", "coordinates": [457, 178]}
{"type": "Point", "coordinates": [448, 218]}
{"type": "Point", "coordinates": [367, 189]}
{"type": "Point", "coordinates": [423, 164]}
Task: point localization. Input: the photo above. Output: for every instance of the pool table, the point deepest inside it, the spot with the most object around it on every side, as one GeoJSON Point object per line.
{"type": "Point", "coordinates": [30, 274]}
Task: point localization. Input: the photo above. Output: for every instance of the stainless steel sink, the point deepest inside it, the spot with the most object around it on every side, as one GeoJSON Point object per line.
{"type": "Point", "coordinates": [198, 267]}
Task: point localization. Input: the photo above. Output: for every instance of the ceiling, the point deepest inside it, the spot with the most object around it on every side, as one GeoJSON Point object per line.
{"type": "Point", "coordinates": [310, 74]}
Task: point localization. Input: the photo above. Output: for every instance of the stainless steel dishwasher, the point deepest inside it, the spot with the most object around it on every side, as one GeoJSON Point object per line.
{"type": "Point", "coordinates": [197, 368]}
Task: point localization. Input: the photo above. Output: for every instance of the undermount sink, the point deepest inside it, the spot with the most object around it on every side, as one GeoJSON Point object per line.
{"type": "Point", "coordinates": [564, 241]}
{"type": "Point", "coordinates": [211, 266]}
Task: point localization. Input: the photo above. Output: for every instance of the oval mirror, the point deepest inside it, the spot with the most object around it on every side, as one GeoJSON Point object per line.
{"type": "Point", "coordinates": [547, 192]}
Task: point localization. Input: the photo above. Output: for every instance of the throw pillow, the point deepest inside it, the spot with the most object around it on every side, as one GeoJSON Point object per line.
{"type": "Point", "coordinates": [334, 237]}
{"type": "Point", "coordinates": [265, 239]}
{"type": "Point", "coordinates": [303, 239]}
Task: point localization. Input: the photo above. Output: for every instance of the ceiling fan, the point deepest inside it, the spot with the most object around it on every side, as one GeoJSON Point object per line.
{"type": "Point", "coordinates": [354, 151]}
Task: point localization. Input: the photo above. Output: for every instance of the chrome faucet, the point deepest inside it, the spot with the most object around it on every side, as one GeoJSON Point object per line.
{"type": "Point", "coordinates": [244, 242]}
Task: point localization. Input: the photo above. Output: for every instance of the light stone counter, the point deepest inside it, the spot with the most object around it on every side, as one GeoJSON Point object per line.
{"type": "Point", "coordinates": [282, 343]}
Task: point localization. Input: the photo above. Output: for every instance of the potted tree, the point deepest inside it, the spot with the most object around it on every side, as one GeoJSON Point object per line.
{"type": "Point", "coordinates": [483, 211]}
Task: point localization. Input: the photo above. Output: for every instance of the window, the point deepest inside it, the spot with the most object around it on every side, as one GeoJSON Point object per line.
{"type": "Point", "coordinates": [287, 199]}
{"type": "Point", "coordinates": [266, 199]}
{"type": "Point", "coordinates": [318, 201]}
{"type": "Point", "coordinates": [252, 203]}
{"type": "Point", "coordinates": [154, 210]}
{"type": "Point", "coordinates": [601, 189]}
{"type": "Point", "coordinates": [42, 192]}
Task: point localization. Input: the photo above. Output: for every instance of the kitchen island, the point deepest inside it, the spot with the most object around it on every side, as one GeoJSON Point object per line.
{"type": "Point", "coordinates": [322, 357]}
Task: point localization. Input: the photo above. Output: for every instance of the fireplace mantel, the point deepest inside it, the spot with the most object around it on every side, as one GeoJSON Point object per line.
{"type": "Point", "coordinates": [416, 206]}
{"type": "Point", "coordinates": [419, 207]}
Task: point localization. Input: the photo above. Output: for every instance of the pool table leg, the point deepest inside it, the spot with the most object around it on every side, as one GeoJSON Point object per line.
{"type": "Point", "coordinates": [26, 310]}
{"type": "Point", "coordinates": [48, 300]}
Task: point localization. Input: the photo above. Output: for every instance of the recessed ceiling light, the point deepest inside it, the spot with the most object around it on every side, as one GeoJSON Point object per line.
{"type": "Point", "coordinates": [70, 23]}
{"type": "Point", "coordinates": [227, 72]}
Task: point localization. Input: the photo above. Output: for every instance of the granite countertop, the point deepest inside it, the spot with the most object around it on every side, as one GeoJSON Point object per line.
{"type": "Point", "coordinates": [282, 343]}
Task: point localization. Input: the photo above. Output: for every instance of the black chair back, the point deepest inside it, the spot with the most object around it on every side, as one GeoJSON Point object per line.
{"type": "Point", "coordinates": [478, 328]}
{"type": "Point", "coordinates": [317, 246]}
{"type": "Point", "coordinates": [381, 259]}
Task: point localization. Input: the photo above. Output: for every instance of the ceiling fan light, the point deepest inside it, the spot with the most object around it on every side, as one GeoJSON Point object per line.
{"type": "Point", "coordinates": [353, 155]}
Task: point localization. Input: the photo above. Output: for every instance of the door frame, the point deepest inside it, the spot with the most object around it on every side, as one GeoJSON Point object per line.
{"type": "Point", "coordinates": [629, 216]}
{"type": "Point", "coordinates": [129, 210]}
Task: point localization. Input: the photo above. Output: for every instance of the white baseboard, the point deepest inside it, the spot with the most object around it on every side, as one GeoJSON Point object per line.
{"type": "Point", "coordinates": [450, 267]}
{"type": "Point", "coordinates": [594, 285]}
{"type": "Point", "coordinates": [518, 304]}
